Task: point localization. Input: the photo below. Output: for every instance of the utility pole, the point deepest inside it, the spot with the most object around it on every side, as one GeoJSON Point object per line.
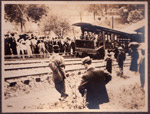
{"type": "Point", "coordinates": [112, 22]}
{"type": "Point", "coordinates": [81, 13]}
{"type": "Point", "coordinates": [103, 35]}
{"type": "Point", "coordinates": [94, 12]}
{"type": "Point", "coordinates": [80, 16]}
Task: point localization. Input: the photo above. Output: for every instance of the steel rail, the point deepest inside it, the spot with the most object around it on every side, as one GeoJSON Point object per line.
{"type": "Point", "coordinates": [46, 64]}
{"type": "Point", "coordinates": [43, 66]}
{"type": "Point", "coordinates": [45, 73]}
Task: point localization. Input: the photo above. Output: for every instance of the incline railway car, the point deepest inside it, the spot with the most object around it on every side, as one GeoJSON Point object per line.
{"type": "Point", "coordinates": [95, 39]}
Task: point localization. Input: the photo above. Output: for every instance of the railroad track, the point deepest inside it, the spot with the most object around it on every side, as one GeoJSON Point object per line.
{"type": "Point", "coordinates": [24, 61]}
{"type": "Point", "coordinates": [35, 56]}
{"type": "Point", "coordinates": [25, 68]}
{"type": "Point", "coordinates": [43, 64]}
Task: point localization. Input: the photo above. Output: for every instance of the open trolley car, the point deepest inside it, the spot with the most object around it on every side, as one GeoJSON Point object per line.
{"type": "Point", "coordinates": [95, 39]}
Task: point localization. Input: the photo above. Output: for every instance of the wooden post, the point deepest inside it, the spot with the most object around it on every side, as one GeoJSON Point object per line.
{"type": "Point", "coordinates": [103, 34]}
{"type": "Point", "coordinates": [80, 16]}
{"type": "Point", "coordinates": [113, 38]}
{"type": "Point", "coordinates": [112, 22]}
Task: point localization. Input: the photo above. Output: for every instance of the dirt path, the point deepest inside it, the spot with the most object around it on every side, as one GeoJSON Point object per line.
{"type": "Point", "coordinates": [125, 95]}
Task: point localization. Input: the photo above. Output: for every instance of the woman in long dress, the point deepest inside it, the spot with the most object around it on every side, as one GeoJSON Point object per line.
{"type": "Point", "coordinates": [134, 60]}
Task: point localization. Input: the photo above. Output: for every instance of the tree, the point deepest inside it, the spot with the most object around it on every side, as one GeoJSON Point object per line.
{"type": "Point", "coordinates": [58, 25]}
{"type": "Point", "coordinates": [35, 12]}
{"type": "Point", "coordinates": [131, 12]}
{"type": "Point", "coordinates": [125, 11]}
{"type": "Point", "coordinates": [99, 9]}
{"type": "Point", "coordinates": [21, 13]}
{"type": "Point", "coordinates": [13, 13]}
{"type": "Point", "coordinates": [95, 9]}
{"type": "Point", "coordinates": [135, 16]}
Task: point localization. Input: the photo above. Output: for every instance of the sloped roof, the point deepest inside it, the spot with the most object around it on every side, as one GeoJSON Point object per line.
{"type": "Point", "coordinates": [90, 27]}
{"type": "Point", "coordinates": [134, 27]}
{"type": "Point", "coordinates": [141, 30]}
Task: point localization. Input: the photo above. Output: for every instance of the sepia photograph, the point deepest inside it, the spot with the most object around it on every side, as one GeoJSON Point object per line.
{"type": "Point", "coordinates": [74, 56]}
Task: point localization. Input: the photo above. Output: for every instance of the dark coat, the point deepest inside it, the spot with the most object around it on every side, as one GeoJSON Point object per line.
{"type": "Point", "coordinates": [101, 53]}
{"type": "Point", "coordinates": [73, 46]}
{"type": "Point", "coordinates": [120, 59]}
{"type": "Point", "coordinates": [109, 64]}
{"type": "Point", "coordinates": [94, 81]}
{"type": "Point", "coordinates": [116, 53]}
{"type": "Point", "coordinates": [142, 71]}
{"type": "Point", "coordinates": [7, 47]}
{"type": "Point", "coordinates": [57, 65]}
{"type": "Point", "coordinates": [134, 64]}
{"type": "Point", "coordinates": [13, 45]}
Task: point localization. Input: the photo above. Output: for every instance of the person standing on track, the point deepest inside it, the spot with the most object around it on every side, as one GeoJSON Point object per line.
{"type": "Point", "coordinates": [57, 65]}
{"type": "Point", "coordinates": [109, 63]}
{"type": "Point", "coordinates": [134, 60]}
{"type": "Point", "coordinates": [93, 83]}
{"type": "Point", "coordinates": [120, 59]}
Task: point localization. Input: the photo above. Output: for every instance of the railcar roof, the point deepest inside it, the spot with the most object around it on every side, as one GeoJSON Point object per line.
{"type": "Point", "coordinates": [95, 28]}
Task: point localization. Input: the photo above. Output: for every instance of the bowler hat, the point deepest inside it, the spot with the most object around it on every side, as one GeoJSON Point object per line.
{"type": "Point", "coordinates": [120, 48]}
{"type": "Point", "coordinates": [6, 34]}
{"type": "Point", "coordinates": [86, 60]}
{"type": "Point", "coordinates": [109, 54]}
{"type": "Point", "coordinates": [12, 34]}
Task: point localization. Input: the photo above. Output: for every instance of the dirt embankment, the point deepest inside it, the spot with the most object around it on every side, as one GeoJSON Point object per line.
{"type": "Point", "coordinates": [125, 93]}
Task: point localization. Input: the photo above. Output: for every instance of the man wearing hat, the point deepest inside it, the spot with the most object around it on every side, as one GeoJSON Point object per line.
{"type": "Point", "coordinates": [94, 81]}
{"type": "Point", "coordinates": [28, 45]}
{"type": "Point", "coordinates": [57, 65]}
{"type": "Point", "coordinates": [68, 45]}
{"type": "Point", "coordinates": [7, 45]}
{"type": "Point", "coordinates": [13, 44]}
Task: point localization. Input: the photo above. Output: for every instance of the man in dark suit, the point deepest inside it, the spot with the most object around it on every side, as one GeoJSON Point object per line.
{"type": "Point", "coordinates": [13, 44]}
{"type": "Point", "coordinates": [94, 82]}
{"type": "Point", "coordinates": [7, 45]}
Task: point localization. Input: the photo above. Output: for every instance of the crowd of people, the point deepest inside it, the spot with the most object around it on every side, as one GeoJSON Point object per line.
{"type": "Point", "coordinates": [91, 37]}
{"type": "Point", "coordinates": [29, 45]}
